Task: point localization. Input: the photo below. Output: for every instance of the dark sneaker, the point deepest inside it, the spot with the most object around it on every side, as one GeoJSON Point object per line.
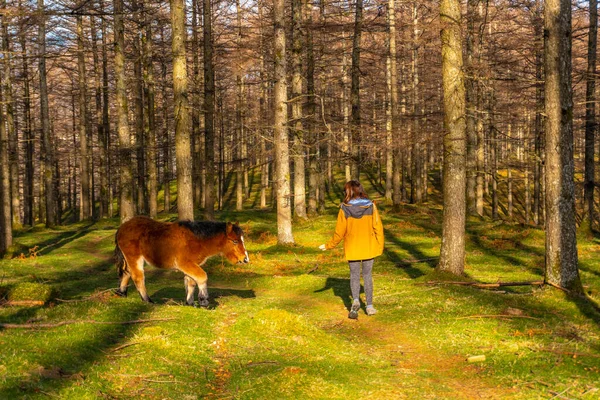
{"type": "Point", "coordinates": [353, 314]}
{"type": "Point", "coordinates": [371, 310]}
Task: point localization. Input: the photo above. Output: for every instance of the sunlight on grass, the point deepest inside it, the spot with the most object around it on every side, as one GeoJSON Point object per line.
{"type": "Point", "coordinates": [278, 327]}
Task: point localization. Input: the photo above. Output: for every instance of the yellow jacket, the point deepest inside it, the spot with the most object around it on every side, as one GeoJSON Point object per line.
{"type": "Point", "coordinates": [360, 226]}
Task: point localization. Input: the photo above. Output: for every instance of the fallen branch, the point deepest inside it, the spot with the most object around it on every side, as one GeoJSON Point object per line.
{"type": "Point", "coordinates": [26, 303]}
{"type": "Point", "coordinates": [497, 316]}
{"type": "Point", "coordinates": [85, 321]}
{"type": "Point", "coordinates": [121, 347]}
{"type": "Point", "coordinates": [486, 285]}
{"type": "Point", "coordinates": [558, 287]}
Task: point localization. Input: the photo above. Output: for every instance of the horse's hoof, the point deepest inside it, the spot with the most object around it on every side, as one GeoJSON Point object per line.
{"type": "Point", "coordinates": [120, 294]}
{"type": "Point", "coordinates": [203, 303]}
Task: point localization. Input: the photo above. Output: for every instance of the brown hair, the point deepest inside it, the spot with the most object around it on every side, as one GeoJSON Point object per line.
{"type": "Point", "coordinates": [352, 190]}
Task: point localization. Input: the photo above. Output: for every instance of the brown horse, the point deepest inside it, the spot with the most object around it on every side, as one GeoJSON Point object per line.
{"type": "Point", "coordinates": [183, 245]}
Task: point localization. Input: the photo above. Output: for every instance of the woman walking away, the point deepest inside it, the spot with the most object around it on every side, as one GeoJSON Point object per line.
{"type": "Point", "coordinates": [360, 226]}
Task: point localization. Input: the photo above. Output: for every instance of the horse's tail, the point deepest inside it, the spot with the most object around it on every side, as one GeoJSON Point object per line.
{"type": "Point", "coordinates": [120, 261]}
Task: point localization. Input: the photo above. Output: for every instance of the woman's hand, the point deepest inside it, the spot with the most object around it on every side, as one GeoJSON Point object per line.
{"type": "Point", "coordinates": [322, 247]}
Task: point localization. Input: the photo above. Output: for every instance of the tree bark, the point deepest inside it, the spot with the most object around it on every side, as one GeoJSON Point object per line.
{"type": "Point", "coordinates": [355, 120]}
{"type": "Point", "coordinates": [125, 149]}
{"type": "Point", "coordinates": [471, 98]}
{"type": "Point", "coordinates": [13, 146]}
{"type": "Point", "coordinates": [48, 151]}
{"type": "Point", "coordinates": [149, 115]}
{"type": "Point", "coordinates": [297, 102]}
{"type": "Point", "coordinates": [393, 131]}
{"type": "Point", "coordinates": [209, 112]}
{"type": "Point", "coordinates": [84, 156]}
{"type": "Point", "coordinates": [590, 119]}
{"type": "Point", "coordinates": [29, 182]}
{"type": "Point", "coordinates": [452, 253]}
{"type": "Point", "coordinates": [561, 241]}
{"type": "Point", "coordinates": [183, 154]}
{"type": "Point", "coordinates": [5, 203]}
{"type": "Point", "coordinates": [103, 203]}
{"type": "Point", "coordinates": [282, 157]}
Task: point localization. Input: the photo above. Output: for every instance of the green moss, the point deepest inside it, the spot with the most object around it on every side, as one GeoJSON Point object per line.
{"type": "Point", "coordinates": [30, 291]}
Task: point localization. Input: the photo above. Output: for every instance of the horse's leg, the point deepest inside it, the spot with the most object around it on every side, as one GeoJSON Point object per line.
{"type": "Point", "coordinates": [197, 274]}
{"type": "Point", "coordinates": [122, 290]}
{"type": "Point", "coordinates": [190, 288]}
{"type": "Point", "coordinates": [136, 269]}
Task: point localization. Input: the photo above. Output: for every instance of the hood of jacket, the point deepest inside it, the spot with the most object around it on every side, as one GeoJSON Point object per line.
{"type": "Point", "coordinates": [357, 208]}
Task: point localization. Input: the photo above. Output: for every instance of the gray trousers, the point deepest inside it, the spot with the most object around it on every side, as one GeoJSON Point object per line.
{"type": "Point", "coordinates": [367, 268]}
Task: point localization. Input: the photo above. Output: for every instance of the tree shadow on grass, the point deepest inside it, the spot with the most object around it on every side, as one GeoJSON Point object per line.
{"type": "Point", "coordinates": [63, 360]}
{"type": "Point", "coordinates": [61, 239]}
{"type": "Point", "coordinates": [413, 250]}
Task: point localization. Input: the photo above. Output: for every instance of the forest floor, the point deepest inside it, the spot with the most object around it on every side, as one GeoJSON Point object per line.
{"type": "Point", "coordinates": [277, 328]}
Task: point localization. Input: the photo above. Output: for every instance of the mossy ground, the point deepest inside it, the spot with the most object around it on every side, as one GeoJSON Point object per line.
{"type": "Point", "coordinates": [278, 327]}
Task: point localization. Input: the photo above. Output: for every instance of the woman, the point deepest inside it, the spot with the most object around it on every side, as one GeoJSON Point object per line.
{"type": "Point", "coordinates": [360, 226]}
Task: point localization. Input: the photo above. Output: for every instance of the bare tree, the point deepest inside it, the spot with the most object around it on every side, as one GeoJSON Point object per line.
{"type": "Point", "coordinates": [48, 150]}
{"type": "Point", "coordinates": [282, 156]}
{"type": "Point", "coordinates": [183, 154]}
{"type": "Point", "coordinates": [590, 117]}
{"type": "Point", "coordinates": [209, 112]}
{"type": "Point", "coordinates": [125, 149]}
{"type": "Point", "coordinates": [561, 242]}
{"type": "Point", "coordinates": [84, 157]}
{"type": "Point", "coordinates": [452, 253]}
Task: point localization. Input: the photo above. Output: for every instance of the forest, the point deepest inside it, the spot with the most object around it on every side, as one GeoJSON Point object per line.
{"type": "Point", "coordinates": [471, 124]}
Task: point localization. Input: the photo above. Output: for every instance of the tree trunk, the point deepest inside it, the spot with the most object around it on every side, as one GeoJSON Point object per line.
{"type": "Point", "coordinates": [10, 123]}
{"type": "Point", "coordinates": [416, 182]}
{"type": "Point", "coordinates": [313, 136]}
{"type": "Point", "coordinates": [590, 119]}
{"type": "Point", "coordinates": [355, 128]}
{"type": "Point", "coordinates": [183, 154]}
{"type": "Point", "coordinates": [209, 112]}
{"type": "Point", "coordinates": [452, 253]}
{"type": "Point", "coordinates": [264, 170]}
{"type": "Point", "coordinates": [84, 157]}
{"type": "Point", "coordinates": [149, 116]}
{"type": "Point", "coordinates": [239, 129]}
{"type": "Point", "coordinates": [539, 101]}
{"type": "Point", "coordinates": [297, 102]}
{"type": "Point", "coordinates": [561, 241]}
{"type": "Point", "coordinates": [471, 98]}
{"type": "Point", "coordinates": [103, 203]}
{"type": "Point", "coordinates": [393, 131]}
{"type": "Point", "coordinates": [5, 203]}
{"type": "Point", "coordinates": [48, 153]}
{"type": "Point", "coordinates": [509, 188]}
{"type": "Point", "coordinates": [105, 181]}
{"type": "Point", "coordinates": [125, 149]}
{"type": "Point", "coordinates": [166, 136]}
{"type": "Point", "coordinates": [282, 157]}
{"type": "Point", "coordinates": [29, 182]}
{"type": "Point", "coordinates": [141, 195]}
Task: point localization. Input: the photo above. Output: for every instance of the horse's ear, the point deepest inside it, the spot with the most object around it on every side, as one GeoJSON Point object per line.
{"type": "Point", "coordinates": [229, 228]}
{"type": "Point", "coordinates": [237, 223]}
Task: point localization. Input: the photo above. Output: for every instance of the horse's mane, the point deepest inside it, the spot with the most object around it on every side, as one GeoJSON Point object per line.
{"type": "Point", "coordinates": [208, 229]}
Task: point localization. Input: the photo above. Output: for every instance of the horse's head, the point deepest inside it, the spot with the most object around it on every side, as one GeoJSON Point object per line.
{"type": "Point", "coordinates": [235, 249]}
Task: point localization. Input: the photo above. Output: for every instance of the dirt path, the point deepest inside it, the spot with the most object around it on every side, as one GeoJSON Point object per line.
{"type": "Point", "coordinates": [419, 371]}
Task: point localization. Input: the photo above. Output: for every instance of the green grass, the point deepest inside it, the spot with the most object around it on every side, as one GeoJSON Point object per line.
{"type": "Point", "coordinates": [278, 327]}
